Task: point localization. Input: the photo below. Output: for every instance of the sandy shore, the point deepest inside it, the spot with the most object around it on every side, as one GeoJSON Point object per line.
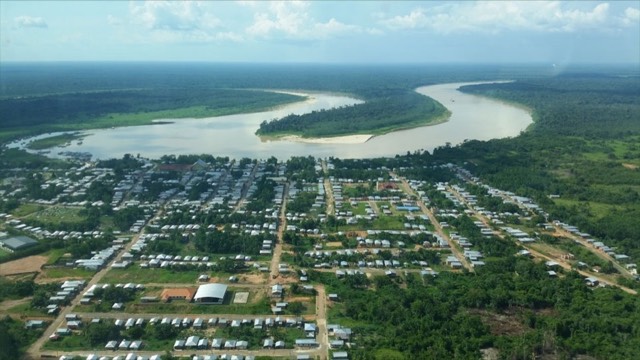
{"type": "Point", "coordinates": [348, 139]}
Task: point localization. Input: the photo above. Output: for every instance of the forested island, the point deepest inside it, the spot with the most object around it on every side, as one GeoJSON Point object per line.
{"type": "Point", "coordinates": [382, 112]}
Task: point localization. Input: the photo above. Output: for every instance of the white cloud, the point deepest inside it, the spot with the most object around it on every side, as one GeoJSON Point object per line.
{"type": "Point", "coordinates": [498, 16]}
{"type": "Point", "coordinates": [184, 21]}
{"type": "Point", "coordinates": [631, 17]}
{"type": "Point", "coordinates": [112, 20]}
{"type": "Point", "coordinates": [178, 16]}
{"type": "Point", "coordinates": [30, 22]}
{"type": "Point", "coordinates": [291, 19]}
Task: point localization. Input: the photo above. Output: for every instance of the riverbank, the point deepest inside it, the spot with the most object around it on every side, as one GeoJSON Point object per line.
{"type": "Point", "coordinates": [343, 140]}
{"type": "Point", "coordinates": [142, 112]}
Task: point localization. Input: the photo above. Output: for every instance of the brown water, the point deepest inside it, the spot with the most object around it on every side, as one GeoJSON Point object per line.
{"type": "Point", "coordinates": [472, 117]}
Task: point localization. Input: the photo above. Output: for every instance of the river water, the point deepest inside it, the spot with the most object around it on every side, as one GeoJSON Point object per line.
{"type": "Point", "coordinates": [472, 117]}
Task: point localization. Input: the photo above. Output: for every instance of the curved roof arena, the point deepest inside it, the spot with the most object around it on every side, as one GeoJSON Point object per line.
{"type": "Point", "coordinates": [207, 291]}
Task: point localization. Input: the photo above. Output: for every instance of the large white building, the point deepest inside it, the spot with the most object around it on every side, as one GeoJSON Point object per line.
{"type": "Point", "coordinates": [210, 294]}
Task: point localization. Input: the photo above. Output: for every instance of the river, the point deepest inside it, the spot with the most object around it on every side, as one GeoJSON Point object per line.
{"type": "Point", "coordinates": [472, 117]}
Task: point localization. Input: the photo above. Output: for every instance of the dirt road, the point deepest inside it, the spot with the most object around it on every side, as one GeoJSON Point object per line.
{"type": "Point", "coordinates": [277, 251]}
{"type": "Point", "coordinates": [436, 224]}
{"type": "Point", "coordinates": [563, 263]}
{"type": "Point", "coordinates": [331, 210]}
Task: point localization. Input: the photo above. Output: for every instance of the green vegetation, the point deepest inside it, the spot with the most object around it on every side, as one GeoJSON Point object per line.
{"type": "Point", "coordinates": [53, 141]}
{"type": "Point", "coordinates": [14, 338]}
{"type": "Point", "coordinates": [380, 114]}
{"type": "Point", "coordinates": [540, 316]}
{"type": "Point", "coordinates": [140, 275]}
{"type": "Point", "coordinates": [591, 166]}
{"type": "Point", "coordinates": [86, 110]}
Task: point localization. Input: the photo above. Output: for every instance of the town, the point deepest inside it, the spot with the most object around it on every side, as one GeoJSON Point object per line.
{"type": "Point", "coordinates": [214, 258]}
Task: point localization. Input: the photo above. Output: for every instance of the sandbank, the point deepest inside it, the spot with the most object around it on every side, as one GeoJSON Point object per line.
{"type": "Point", "coordinates": [347, 139]}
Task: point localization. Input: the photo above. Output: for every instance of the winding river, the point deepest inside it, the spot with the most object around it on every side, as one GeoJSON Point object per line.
{"type": "Point", "coordinates": [472, 117]}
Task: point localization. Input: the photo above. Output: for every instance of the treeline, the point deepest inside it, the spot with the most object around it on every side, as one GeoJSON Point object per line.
{"type": "Point", "coordinates": [84, 107]}
{"type": "Point", "coordinates": [583, 147]}
{"type": "Point", "coordinates": [386, 111]}
{"type": "Point", "coordinates": [583, 105]}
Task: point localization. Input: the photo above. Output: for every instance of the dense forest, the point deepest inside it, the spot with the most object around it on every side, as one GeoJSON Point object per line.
{"type": "Point", "coordinates": [383, 112]}
{"type": "Point", "coordinates": [86, 107]}
{"type": "Point", "coordinates": [511, 305]}
{"type": "Point", "coordinates": [72, 96]}
{"type": "Point", "coordinates": [573, 104]}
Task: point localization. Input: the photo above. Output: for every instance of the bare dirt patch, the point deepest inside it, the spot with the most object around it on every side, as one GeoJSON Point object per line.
{"type": "Point", "coordinates": [630, 166]}
{"type": "Point", "coordinates": [241, 298]}
{"type": "Point", "coordinates": [253, 278]}
{"type": "Point", "coordinates": [501, 324]}
{"type": "Point", "coordinates": [8, 304]}
{"type": "Point", "coordinates": [334, 244]}
{"type": "Point", "coordinates": [25, 265]}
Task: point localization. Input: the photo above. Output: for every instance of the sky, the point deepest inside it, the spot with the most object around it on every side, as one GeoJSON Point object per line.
{"type": "Point", "coordinates": [554, 32]}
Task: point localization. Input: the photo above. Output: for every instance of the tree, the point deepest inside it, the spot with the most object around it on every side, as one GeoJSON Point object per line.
{"type": "Point", "coordinates": [101, 333]}
{"type": "Point", "coordinates": [296, 308]}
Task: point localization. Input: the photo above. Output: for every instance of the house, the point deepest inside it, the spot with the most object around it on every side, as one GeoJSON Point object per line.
{"type": "Point", "coordinates": [306, 343]}
{"type": "Point", "coordinates": [340, 355]}
{"type": "Point", "coordinates": [310, 330]}
{"type": "Point", "coordinates": [592, 281]}
{"type": "Point", "coordinates": [169, 295]}
{"type": "Point", "coordinates": [336, 344]}
{"type": "Point", "coordinates": [342, 333]}
{"type": "Point", "coordinates": [34, 324]}
{"type": "Point", "coordinates": [277, 290]}
{"type": "Point", "coordinates": [179, 345]}
{"type": "Point", "coordinates": [192, 341]}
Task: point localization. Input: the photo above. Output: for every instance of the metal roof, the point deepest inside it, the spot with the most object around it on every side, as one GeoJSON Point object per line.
{"type": "Point", "coordinates": [210, 291]}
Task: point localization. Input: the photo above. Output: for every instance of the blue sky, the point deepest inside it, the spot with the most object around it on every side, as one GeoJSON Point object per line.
{"type": "Point", "coordinates": [322, 31]}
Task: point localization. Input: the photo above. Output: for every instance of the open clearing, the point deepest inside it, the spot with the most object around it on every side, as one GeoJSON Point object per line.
{"type": "Point", "coordinates": [25, 265]}
{"type": "Point", "coordinates": [241, 298]}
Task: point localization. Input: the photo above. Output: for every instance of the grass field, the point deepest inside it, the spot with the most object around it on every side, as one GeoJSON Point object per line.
{"type": "Point", "coordinates": [26, 310]}
{"type": "Point", "coordinates": [58, 214]}
{"type": "Point", "coordinates": [54, 255]}
{"type": "Point", "coordinates": [143, 276]}
{"type": "Point", "coordinates": [26, 209]}
{"type": "Point", "coordinates": [596, 209]}
{"type": "Point", "coordinates": [64, 272]}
